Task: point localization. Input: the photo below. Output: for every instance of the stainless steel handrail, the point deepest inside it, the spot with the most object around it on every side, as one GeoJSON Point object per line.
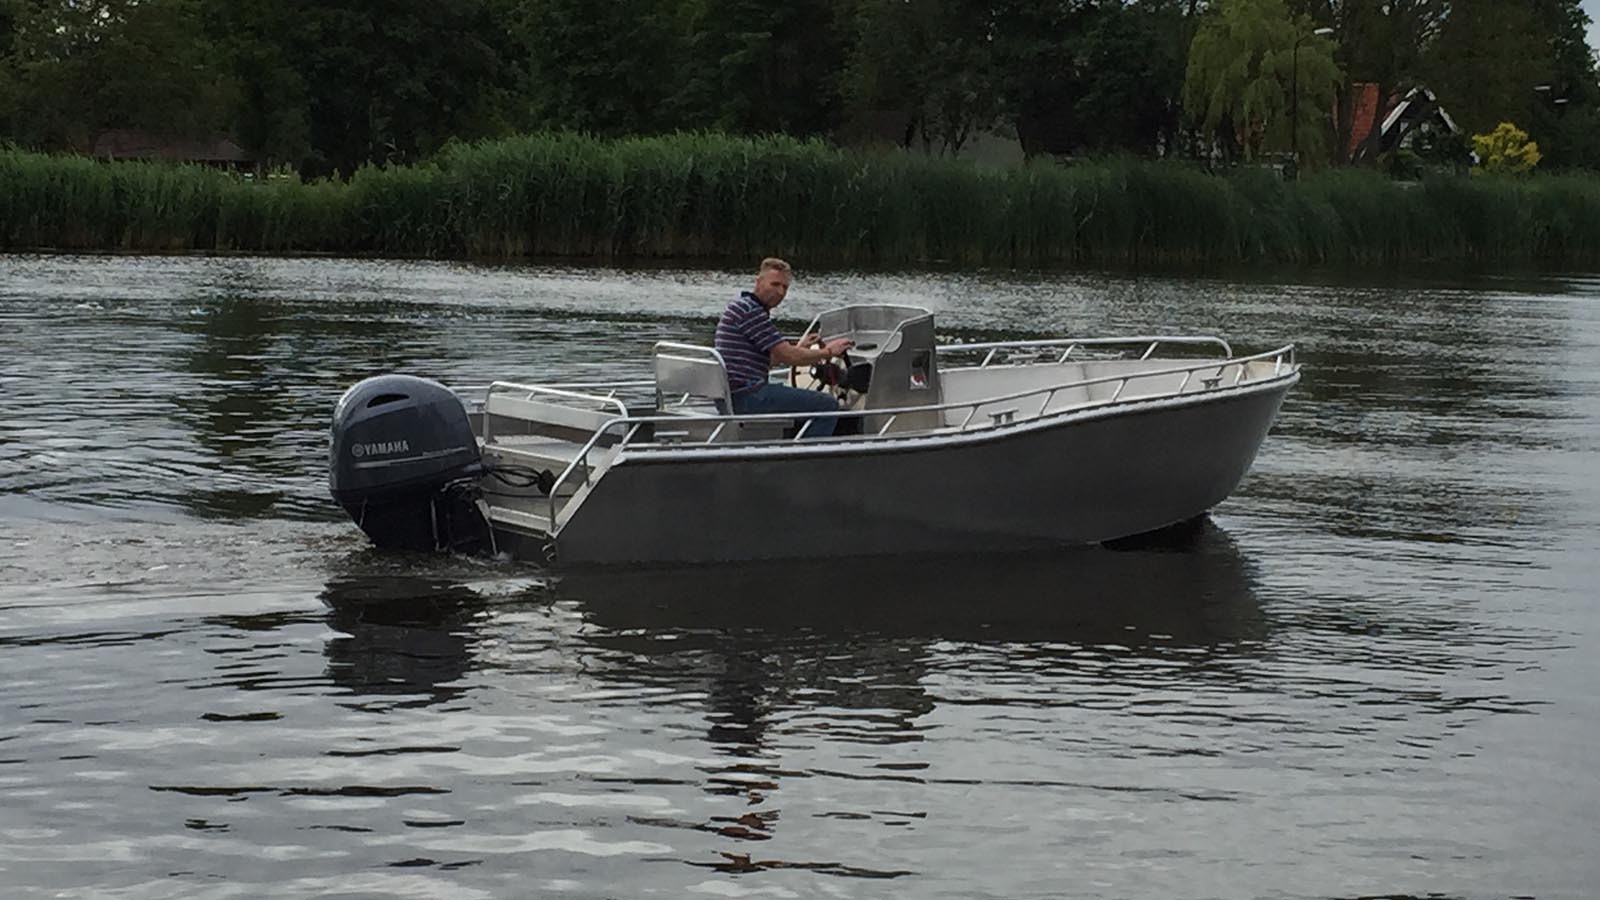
{"type": "Point", "coordinates": [583, 457]}
{"type": "Point", "coordinates": [699, 351]}
{"type": "Point", "coordinates": [602, 385]}
{"type": "Point", "coordinates": [994, 347]}
{"type": "Point", "coordinates": [531, 390]}
{"type": "Point", "coordinates": [974, 405]}
{"type": "Point", "coordinates": [1070, 344]}
{"type": "Point", "coordinates": [816, 321]}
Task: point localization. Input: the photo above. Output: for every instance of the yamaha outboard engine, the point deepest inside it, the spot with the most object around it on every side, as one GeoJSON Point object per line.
{"type": "Point", "coordinates": [404, 463]}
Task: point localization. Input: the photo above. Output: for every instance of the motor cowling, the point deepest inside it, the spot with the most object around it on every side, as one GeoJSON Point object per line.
{"type": "Point", "coordinates": [404, 463]}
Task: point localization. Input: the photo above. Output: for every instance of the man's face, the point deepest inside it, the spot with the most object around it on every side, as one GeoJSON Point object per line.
{"type": "Point", "coordinates": [771, 287]}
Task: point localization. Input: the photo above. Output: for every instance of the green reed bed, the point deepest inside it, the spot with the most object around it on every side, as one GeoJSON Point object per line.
{"type": "Point", "coordinates": [286, 216]}
{"type": "Point", "coordinates": [54, 202]}
{"type": "Point", "coordinates": [714, 196]}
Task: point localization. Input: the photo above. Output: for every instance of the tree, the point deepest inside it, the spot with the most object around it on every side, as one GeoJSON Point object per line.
{"type": "Point", "coordinates": [1566, 119]}
{"type": "Point", "coordinates": [606, 68]}
{"type": "Point", "coordinates": [1089, 76]}
{"type": "Point", "coordinates": [929, 62]}
{"type": "Point", "coordinates": [80, 67]}
{"type": "Point", "coordinates": [1133, 58]}
{"type": "Point", "coordinates": [1525, 61]}
{"type": "Point", "coordinates": [1488, 58]}
{"type": "Point", "coordinates": [1380, 43]}
{"type": "Point", "coordinates": [1505, 149]}
{"type": "Point", "coordinates": [384, 81]}
{"type": "Point", "coordinates": [10, 21]}
{"type": "Point", "coordinates": [272, 111]}
{"type": "Point", "coordinates": [1244, 74]}
{"type": "Point", "coordinates": [1041, 74]}
{"type": "Point", "coordinates": [759, 66]}
{"type": "Point", "coordinates": [11, 12]}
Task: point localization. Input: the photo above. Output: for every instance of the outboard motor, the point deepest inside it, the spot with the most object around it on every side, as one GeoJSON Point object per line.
{"type": "Point", "coordinates": [404, 463]}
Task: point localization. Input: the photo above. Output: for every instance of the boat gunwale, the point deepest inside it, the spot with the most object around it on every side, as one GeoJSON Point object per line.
{"type": "Point", "coordinates": [940, 438]}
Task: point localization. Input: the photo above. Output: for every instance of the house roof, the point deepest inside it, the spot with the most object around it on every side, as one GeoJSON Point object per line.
{"type": "Point", "coordinates": [1392, 118]}
{"type": "Point", "coordinates": [1416, 94]}
{"type": "Point", "coordinates": [126, 143]}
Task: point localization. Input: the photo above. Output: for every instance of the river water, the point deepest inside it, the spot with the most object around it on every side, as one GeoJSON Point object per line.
{"type": "Point", "coordinates": [1373, 674]}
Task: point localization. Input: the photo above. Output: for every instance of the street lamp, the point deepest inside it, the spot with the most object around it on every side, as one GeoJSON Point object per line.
{"type": "Point", "coordinates": [1545, 89]}
{"type": "Point", "coordinates": [1294, 96]}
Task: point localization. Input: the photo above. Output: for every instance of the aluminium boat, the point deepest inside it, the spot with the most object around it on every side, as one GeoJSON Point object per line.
{"type": "Point", "coordinates": [953, 447]}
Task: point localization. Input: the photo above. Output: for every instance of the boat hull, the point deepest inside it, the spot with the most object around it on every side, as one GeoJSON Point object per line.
{"type": "Point", "coordinates": [1097, 475]}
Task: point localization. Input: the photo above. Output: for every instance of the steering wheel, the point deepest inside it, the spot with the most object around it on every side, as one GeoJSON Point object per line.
{"type": "Point", "coordinates": [819, 383]}
{"type": "Point", "coordinates": [819, 378]}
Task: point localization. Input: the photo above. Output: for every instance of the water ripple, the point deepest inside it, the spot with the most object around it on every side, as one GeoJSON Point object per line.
{"type": "Point", "coordinates": [1369, 676]}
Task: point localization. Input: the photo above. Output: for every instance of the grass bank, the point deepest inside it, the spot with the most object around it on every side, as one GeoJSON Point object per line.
{"type": "Point", "coordinates": [713, 196]}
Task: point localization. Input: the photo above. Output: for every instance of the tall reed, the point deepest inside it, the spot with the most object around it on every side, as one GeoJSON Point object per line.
{"type": "Point", "coordinates": [714, 196]}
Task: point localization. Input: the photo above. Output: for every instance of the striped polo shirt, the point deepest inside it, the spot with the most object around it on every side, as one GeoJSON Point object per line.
{"type": "Point", "coordinates": [745, 338]}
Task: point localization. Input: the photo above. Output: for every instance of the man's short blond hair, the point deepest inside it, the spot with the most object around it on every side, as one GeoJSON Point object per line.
{"type": "Point", "coordinates": [773, 264]}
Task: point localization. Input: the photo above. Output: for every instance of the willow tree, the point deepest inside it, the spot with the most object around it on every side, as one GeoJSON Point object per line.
{"type": "Point", "coordinates": [1252, 68]}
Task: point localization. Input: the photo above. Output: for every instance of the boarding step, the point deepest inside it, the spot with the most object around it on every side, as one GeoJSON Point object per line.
{"type": "Point", "coordinates": [520, 520]}
{"type": "Point", "coordinates": [510, 409]}
{"type": "Point", "coordinates": [535, 451]}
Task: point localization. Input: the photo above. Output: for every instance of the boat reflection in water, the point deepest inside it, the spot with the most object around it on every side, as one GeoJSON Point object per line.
{"type": "Point", "coordinates": [405, 638]}
{"type": "Point", "coordinates": [792, 671]}
{"type": "Point", "coordinates": [1191, 589]}
{"type": "Point", "coordinates": [861, 652]}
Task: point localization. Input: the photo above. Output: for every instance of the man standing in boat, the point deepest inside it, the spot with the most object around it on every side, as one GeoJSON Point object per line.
{"type": "Point", "coordinates": [751, 345]}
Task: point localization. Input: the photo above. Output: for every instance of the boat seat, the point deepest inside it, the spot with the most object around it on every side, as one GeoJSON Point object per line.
{"type": "Point", "coordinates": [692, 382]}
{"type": "Point", "coordinates": [684, 373]}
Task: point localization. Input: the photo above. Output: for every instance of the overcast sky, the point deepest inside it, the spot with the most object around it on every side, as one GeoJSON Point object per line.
{"type": "Point", "coordinates": [1592, 7]}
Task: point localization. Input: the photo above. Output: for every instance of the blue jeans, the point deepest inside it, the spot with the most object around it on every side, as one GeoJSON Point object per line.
{"type": "Point", "coordinates": [780, 398]}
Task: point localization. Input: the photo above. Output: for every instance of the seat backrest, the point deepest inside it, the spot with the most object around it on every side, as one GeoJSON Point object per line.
{"type": "Point", "coordinates": [685, 371]}
{"type": "Point", "coordinates": [906, 374]}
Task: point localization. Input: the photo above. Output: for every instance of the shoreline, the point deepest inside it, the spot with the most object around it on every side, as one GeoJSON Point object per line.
{"type": "Point", "coordinates": [710, 199]}
{"type": "Point", "coordinates": [1423, 273]}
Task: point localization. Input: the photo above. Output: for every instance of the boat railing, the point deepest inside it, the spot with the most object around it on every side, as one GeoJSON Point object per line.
{"type": "Point", "coordinates": [1282, 361]}
{"type": "Point", "coordinates": [611, 388]}
{"type": "Point", "coordinates": [995, 352]}
{"type": "Point", "coordinates": [998, 352]}
{"type": "Point", "coordinates": [900, 314]}
{"type": "Point", "coordinates": [579, 399]}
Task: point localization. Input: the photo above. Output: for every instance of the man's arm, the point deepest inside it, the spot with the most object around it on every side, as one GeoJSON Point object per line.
{"type": "Point", "coordinates": [790, 354]}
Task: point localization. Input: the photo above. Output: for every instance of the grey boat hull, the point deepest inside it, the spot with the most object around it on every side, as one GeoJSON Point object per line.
{"type": "Point", "coordinates": [1096, 475]}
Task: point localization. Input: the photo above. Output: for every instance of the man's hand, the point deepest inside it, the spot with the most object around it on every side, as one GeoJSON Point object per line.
{"type": "Point", "coordinates": [837, 346]}
{"type": "Point", "coordinates": [809, 351]}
